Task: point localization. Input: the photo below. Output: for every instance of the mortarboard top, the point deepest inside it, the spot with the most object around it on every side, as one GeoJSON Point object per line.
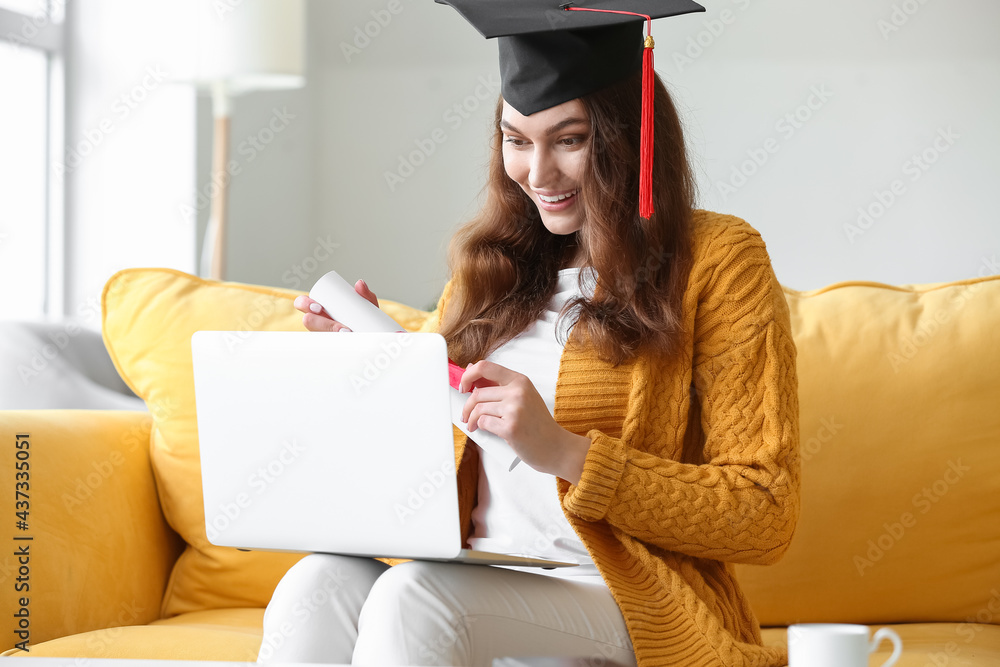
{"type": "Point", "coordinates": [549, 55]}
{"type": "Point", "coordinates": [551, 52]}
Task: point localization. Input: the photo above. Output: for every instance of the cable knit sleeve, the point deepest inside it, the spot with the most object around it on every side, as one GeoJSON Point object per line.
{"type": "Point", "coordinates": [739, 502]}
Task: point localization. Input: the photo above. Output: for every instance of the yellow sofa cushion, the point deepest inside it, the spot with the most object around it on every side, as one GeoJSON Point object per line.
{"type": "Point", "coordinates": [218, 634]}
{"type": "Point", "coordinates": [900, 438]}
{"type": "Point", "coordinates": [149, 316]}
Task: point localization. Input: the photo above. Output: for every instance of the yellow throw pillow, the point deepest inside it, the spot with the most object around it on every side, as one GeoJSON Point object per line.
{"type": "Point", "coordinates": [149, 316]}
{"type": "Point", "coordinates": [899, 393]}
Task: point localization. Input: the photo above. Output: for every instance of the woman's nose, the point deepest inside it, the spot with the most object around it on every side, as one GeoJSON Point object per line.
{"type": "Point", "coordinates": [543, 169]}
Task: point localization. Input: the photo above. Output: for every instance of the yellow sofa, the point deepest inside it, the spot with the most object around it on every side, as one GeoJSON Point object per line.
{"type": "Point", "coordinates": [900, 524]}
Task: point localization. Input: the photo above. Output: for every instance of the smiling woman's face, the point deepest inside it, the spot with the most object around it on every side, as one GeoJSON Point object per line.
{"type": "Point", "coordinates": [545, 153]}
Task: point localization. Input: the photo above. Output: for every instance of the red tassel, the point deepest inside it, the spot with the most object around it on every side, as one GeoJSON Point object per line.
{"type": "Point", "coordinates": [646, 134]}
{"type": "Point", "coordinates": [646, 127]}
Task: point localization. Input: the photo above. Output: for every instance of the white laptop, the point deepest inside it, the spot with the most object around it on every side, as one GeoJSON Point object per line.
{"type": "Point", "coordinates": [331, 442]}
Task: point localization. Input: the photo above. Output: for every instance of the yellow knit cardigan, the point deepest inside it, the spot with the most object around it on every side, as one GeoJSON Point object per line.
{"type": "Point", "coordinates": [694, 462]}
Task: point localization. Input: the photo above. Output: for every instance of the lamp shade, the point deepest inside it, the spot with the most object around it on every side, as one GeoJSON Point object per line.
{"type": "Point", "coordinates": [250, 45]}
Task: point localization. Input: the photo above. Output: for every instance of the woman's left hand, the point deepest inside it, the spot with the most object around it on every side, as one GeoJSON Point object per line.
{"type": "Point", "coordinates": [505, 403]}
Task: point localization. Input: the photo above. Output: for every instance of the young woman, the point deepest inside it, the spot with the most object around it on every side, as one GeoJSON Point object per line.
{"type": "Point", "coordinates": [644, 371]}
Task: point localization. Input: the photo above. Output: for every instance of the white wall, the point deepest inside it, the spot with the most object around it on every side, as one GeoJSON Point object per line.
{"type": "Point", "coordinates": [891, 83]}
{"type": "Point", "coordinates": [882, 99]}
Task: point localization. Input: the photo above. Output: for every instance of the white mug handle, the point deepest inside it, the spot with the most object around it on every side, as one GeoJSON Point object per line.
{"type": "Point", "coordinates": [897, 645]}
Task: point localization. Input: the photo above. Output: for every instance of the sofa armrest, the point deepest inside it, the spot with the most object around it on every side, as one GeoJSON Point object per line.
{"type": "Point", "coordinates": [86, 544]}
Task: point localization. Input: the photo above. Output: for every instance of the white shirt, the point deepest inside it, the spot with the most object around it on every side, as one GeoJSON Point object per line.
{"type": "Point", "coordinates": [518, 511]}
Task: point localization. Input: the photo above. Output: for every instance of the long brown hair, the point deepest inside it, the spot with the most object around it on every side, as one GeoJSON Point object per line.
{"type": "Point", "coordinates": [504, 262]}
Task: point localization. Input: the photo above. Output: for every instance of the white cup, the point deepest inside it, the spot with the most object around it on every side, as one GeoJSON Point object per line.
{"type": "Point", "coordinates": [837, 645]}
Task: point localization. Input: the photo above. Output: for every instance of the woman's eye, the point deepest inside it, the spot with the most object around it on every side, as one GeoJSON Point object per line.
{"type": "Point", "coordinates": [572, 141]}
{"type": "Point", "coordinates": [514, 141]}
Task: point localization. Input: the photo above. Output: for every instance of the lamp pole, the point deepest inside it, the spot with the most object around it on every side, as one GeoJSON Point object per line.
{"type": "Point", "coordinates": [217, 220]}
{"type": "Point", "coordinates": [259, 45]}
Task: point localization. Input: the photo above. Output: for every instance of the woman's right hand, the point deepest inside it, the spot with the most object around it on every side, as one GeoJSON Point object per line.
{"type": "Point", "coordinates": [317, 319]}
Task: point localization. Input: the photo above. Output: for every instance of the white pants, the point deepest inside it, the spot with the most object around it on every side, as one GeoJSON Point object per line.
{"type": "Point", "coordinates": [347, 610]}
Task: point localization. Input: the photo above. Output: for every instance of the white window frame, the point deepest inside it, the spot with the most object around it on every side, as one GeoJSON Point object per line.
{"type": "Point", "coordinates": [42, 33]}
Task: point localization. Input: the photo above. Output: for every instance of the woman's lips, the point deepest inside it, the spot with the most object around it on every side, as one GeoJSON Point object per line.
{"type": "Point", "coordinates": [562, 200]}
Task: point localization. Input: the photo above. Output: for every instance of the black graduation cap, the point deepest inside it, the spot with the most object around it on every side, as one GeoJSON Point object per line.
{"type": "Point", "coordinates": [550, 54]}
{"type": "Point", "coordinates": [553, 51]}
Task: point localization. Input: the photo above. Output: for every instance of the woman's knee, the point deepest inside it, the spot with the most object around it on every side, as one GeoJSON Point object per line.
{"type": "Point", "coordinates": [410, 618]}
{"type": "Point", "coordinates": [407, 587]}
{"type": "Point", "coordinates": [318, 579]}
{"type": "Point", "coordinates": [313, 614]}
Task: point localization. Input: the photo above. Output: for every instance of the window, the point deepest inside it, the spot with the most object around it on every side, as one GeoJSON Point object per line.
{"type": "Point", "coordinates": [30, 128]}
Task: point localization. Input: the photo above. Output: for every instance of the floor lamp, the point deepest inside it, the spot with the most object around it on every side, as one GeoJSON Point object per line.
{"type": "Point", "coordinates": [254, 45]}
